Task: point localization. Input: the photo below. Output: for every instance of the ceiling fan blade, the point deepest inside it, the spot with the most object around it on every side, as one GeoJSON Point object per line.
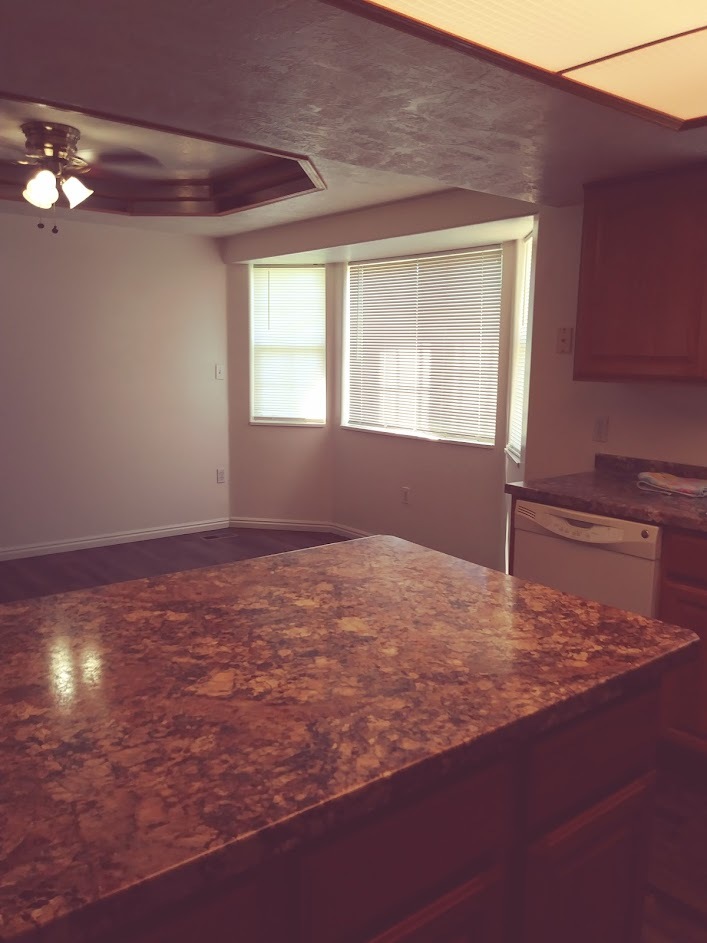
{"type": "Point", "coordinates": [12, 152]}
{"type": "Point", "coordinates": [128, 157]}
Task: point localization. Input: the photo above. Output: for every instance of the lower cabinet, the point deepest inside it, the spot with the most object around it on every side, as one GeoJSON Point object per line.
{"type": "Point", "coordinates": [683, 601]}
{"type": "Point", "coordinates": [584, 880]}
{"type": "Point", "coordinates": [547, 845]}
{"type": "Point", "coordinates": [470, 914]}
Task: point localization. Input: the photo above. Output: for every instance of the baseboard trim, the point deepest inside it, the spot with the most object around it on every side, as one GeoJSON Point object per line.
{"type": "Point", "coordinates": [269, 523]}
{"type": "Point", "coordinates": [104, 540]}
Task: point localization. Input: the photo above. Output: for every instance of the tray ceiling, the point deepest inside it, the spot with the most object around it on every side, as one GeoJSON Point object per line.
{"type": "Point", "coordinates": [137, 170]}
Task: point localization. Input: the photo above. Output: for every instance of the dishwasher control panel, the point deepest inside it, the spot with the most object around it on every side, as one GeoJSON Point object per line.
{"type": "Point", "coordinates": [630, 537]}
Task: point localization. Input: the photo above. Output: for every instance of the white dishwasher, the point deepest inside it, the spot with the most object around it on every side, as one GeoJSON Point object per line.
{"type": "Point", "coordinates": [609, 560]}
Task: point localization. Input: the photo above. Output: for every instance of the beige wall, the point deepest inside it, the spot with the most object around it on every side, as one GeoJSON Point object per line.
{"type": "Point", "coordinates": [354, 478]}
{"type": "Point", "coordinates": [278, 473]}
{"type": "Point", "coordinates": [448, 210]}
{"type": "Point", "coordinates": [456, 502]}
{"type": "Point", "coordinates": [660, 421]}
{"type": "Point", "coordinates": [111, 420]}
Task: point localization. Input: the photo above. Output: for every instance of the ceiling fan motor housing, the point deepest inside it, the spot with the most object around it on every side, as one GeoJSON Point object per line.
{"type": "Point", "coordinates": [45, 142]}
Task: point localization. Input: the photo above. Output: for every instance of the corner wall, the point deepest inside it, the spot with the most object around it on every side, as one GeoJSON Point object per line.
{"type": "Point", "coordinates": [353, 478]}
{"type": "Point", "coordinates": [111, 420]}
{"type": "Point", "coordinates": [648, 420]}
{"type": "Point", "coordinates": [278, 473]}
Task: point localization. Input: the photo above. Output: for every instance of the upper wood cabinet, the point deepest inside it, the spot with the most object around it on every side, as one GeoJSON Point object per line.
{"type": "Point", "coordinates": [642, 308]}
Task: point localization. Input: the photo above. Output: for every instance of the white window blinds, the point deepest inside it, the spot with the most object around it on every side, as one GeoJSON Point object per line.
{"type": "Point", "coordinates": [422, 345]}
{"type": "Point", "coordinates": [519, 355]}
{"type": "Point", "coordinates": [288, 344]}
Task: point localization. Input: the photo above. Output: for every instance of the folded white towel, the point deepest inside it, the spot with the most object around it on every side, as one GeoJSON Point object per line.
{"type": "Point", "coordinates": [672, 484]}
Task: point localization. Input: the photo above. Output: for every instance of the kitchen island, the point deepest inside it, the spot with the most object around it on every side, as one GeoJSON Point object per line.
{"type": "Point", "coordinates": [367, 740]}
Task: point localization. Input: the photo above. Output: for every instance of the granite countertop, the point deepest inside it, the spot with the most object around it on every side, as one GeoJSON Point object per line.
{"type": "Point", "coordinates": [611, 490]}
{"type": "Point", "coordinates": [164, 734]}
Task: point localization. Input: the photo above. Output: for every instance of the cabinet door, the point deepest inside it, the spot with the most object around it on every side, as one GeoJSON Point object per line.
{"type": "Point", "coordinates": [469, 914]}
{"type": "Point", "coordinates": [584, 881]}
{"type": "Point", "coordinates": [685, 692]}
{"type": "Point", "coordinates": [642, 299]}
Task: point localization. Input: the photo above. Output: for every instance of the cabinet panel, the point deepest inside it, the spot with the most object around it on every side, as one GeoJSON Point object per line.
{"type": "Point", "coordinates": [684, 558]}
{"type": "Point", "coordinates": [219, 917]}
{"type": "Point", "coordinates": [685, 691]}
{"type": "Point", "coordinates": [642, 308]}
{"type": "Point", "coordinates": [470, 914]}
{"type": "Point", "coordinates": [399, 862]}
{"type": "Point", "coordinates": [584, 881]}
{"type": "Point", "coordinates": [572, 767]}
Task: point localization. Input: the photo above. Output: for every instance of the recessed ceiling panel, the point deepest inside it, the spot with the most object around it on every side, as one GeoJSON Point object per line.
{"type": "Point", "coordinates": [555, 34]}
{"type": "Point", "coordinates": [139, 170]}
{"type": "Point", "coordinates": [668, 77]}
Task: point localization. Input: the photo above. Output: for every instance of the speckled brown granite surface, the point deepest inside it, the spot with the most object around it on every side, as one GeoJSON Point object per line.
{"type": "Point", "coordinates": [162, 734]}
{"type": "Point", "coordinates": [611, 490]}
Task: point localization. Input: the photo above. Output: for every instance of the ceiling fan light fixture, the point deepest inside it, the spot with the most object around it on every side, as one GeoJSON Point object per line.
{"type": "Point", "coordinates": [41, 190]}
{"type": "Point", "coordinates": [75, 191]}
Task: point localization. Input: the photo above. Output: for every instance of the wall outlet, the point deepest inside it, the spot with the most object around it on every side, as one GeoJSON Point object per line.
{"type": "Point", "coordinates": [601, 429]}
{"type": "Point", "coordinates": [565, 340]}
{"type": "Point", "coordinates": [220, 476]}
{"type": "Point", "coordinates": [405, 494]}
{"type": "Point", "coordinates": [219, 371]}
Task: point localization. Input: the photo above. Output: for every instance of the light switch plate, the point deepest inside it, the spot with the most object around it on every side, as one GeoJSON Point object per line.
{"type": "Point", "coordinates": [220, 371]}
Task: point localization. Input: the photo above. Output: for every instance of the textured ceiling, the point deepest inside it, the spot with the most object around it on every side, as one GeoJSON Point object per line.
{"type": "Point", "coordinates": [305, 76]}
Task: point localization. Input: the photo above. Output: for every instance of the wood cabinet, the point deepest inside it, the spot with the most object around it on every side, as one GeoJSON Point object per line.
{"type": "Point", "coordinates": [544, 845]}
{"type": "Point", "coordinates": [585, 878]}
{"type": "Point", "coordinates": [683, 601]}
{"type": "Point", "coordinates": [470, 914]}
{"type": "Point", "coordinates": [642, 305]}
{"type": "Point", "coordinates": [395, 863]}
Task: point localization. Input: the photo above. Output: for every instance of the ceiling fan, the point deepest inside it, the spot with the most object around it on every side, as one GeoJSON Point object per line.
{"type": "Point", "coordinates": [52, 149]}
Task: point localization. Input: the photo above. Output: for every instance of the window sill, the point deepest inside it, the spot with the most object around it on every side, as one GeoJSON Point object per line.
{"type": "Point", "coordinates": [433, 440]}
{"type": "Point", "coordinates": [287, 423]}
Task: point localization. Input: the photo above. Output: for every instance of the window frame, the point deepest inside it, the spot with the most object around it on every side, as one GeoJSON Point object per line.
{"type": "Point", "coordinates": [406, 433]}
{"type": "Point", "coordinates": [283, 421]}
{"type": "Point", "coordinates": [522, 311]}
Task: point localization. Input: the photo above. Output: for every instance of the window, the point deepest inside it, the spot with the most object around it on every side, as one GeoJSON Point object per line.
{"type": "Point", "coordinates": [519, 356]}
{"type": "Point", "coordinates": [422, 346]}
{"type": "Point", "coordinates": [288, 345]}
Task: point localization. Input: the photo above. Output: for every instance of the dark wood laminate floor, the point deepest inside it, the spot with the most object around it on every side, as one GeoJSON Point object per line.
{"type": "Point", "coordinates": [81, 569]}
{"type": "Point", "coordinates": [676, 908]}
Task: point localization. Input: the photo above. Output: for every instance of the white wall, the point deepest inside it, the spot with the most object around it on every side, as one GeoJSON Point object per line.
{"type": "Point", "coordinates": [450, 209]}
{"type": "Point", "coordinates": [354, 478]}
{"type": "Point", "coordinates": [457, 503]}
{"type": "Point", "coordinates": [647, 420]}
{"type": "Point", "coordinates": [278, 473]}
{"type": "Point", "coordinates": [110, 417]}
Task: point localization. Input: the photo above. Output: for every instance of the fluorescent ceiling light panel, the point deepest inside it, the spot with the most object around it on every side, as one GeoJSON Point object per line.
{"type": "Point", "coordinates": [560, 35]}
{"type": "Point", "coordinates": [669, 77]}
{"type": "Point", "coordinates": [555, 34]}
